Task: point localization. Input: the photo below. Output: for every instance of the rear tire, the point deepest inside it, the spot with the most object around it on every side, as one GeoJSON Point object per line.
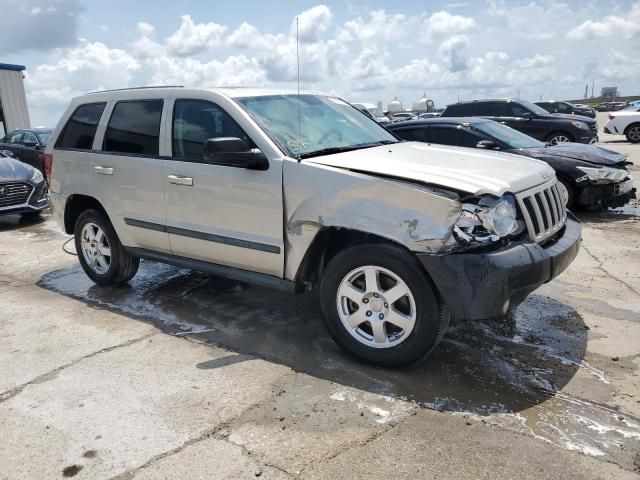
{"type": "Point", "coordinates": [633, 133]}
{"type": "Point", "coordinates": [559, 137]}
{"type": "Point", "coordinates": [102, 256]}
{"type": "Point", "coordinates": [379, 305]}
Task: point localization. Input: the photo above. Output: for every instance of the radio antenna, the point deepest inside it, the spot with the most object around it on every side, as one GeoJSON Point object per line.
{"type": "Point", "coordinates": [298, 67]}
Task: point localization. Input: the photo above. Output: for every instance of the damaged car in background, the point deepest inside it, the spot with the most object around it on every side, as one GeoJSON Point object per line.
{"type": "Point", "coordinates": [304, 191]}
{"type": "Point", "coordinates": [23, 189]}
{"type": "Point", "coordinates": [589, 176]}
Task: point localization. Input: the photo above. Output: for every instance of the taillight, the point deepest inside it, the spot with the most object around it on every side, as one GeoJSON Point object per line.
{"type": "Point", "coordinates": [611, 117]}
{"type": "Point", "coordinates": [48, 163]}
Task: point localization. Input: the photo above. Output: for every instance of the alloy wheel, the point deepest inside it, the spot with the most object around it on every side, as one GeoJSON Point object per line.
{"type": "Point", "coordinates": [376, 306]}
{"type": "Point", "coordinates": [634, 134]}
{"type": "Point", "coordinates": [559, 139]}
{"type": "Point", "coordinates": [95, 248]}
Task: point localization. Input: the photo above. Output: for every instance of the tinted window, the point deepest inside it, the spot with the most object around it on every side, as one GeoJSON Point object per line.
{"type": "Point", "coordinates": [515, 110]}
{"type": "Point", "coordinates": [414, 134]}
{"type": "Point", "coordinates": [454, 136]}
{"type": "Point", "coordinates": [563, 107]}
{"type": "Point", "coordinates": [29, 138]}
{"type": "Point", "coordinates": [81, 127]}
{"type": "Point", "coordinates": [458, 110]}
{"type": "Point", "coordinates": [44, 137]}
{"type": "Point", "coordinates": [491, 109]}
{"type": "Point", "coordinates": [134, 127]}
{"type": "Point", "coordinates": [195, 121]}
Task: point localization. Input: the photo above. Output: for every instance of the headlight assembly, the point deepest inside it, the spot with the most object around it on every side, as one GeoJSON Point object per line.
{"type": "Point", "coordinates": [580, 125]}
{"type": "Point", "coordinates": [37, 176]}
{"type": "Point", "coordinates": [488, 220]}
{"type": "Point", "coordinates": [604, 174]}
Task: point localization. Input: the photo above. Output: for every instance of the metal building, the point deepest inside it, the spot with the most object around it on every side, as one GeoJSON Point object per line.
{"type": "Point", "coordinates": [13, 101]}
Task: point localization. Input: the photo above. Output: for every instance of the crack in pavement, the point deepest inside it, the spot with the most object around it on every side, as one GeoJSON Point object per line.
{"type": "Point", "coordinates": [211, 432]}
{"type": "Point", "coordinates": [4, 396]}
{"type": "Point", "coordinates": [604, 270]}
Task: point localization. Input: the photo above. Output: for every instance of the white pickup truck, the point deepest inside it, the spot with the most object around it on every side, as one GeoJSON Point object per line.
{"type": "Point", "coordinates": [304, 191]}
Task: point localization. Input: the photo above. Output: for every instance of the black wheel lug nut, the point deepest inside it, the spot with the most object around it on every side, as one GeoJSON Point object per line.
{"type": "Point", "coordinates": [365, 300]}
{"type": "Point", "coordinates": [381, 316]}
{"type": "Point", "coordinates": [368, 313]}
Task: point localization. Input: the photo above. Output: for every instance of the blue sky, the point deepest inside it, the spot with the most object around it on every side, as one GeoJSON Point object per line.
{"type": "Point", "coordinates": [360, 50]}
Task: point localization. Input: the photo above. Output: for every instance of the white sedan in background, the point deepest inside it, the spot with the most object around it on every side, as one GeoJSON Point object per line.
{"type": "Point", "coordinates": [625, 122]}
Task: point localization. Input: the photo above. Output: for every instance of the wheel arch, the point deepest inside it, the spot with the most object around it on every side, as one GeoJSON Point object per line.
{"type": "Point", "coordinates": [75, 205]}
{"type": "Point", "coordinates": [628, 127]}
{"type": "Point", "coordinates": [330, 241]}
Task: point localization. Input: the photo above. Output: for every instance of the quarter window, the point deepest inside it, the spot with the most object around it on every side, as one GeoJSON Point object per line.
{"type": "Point", "coordinates": [413, 134]}
{"type": "Point", "coordinates": [134, 127]}
{"type": "Point", "coordinates": [196, 121]}
{"type": "Point", "coordinates": [80, 130]}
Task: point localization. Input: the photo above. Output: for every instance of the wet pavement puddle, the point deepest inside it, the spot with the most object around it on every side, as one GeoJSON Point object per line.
{"type": "Point", "coordinates": [509, 373]}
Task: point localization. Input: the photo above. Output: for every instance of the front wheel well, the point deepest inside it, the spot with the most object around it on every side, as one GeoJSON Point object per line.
{"type": "Point", "coordinates": [327, 244]}
{"type": "Point", "coordinates": [76, 204]}
{"type": "Point", "coordinates": [559, 132]}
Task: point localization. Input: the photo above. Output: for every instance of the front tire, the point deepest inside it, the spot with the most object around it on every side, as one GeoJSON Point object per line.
{"type": "Point", "coordinates": [102, 256]}
{"type": "Point", "coordinates": [379, 304]}
{"type": "Point", "coordinates": [559, 137]}
{"type": "Point", "coordinates": [569, 192]}
{"type": "Point", "coordinates": [633, 133]}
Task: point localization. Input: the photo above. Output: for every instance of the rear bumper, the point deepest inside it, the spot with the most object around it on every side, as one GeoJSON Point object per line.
{"type": "Point", "coordinates": [485, 285]}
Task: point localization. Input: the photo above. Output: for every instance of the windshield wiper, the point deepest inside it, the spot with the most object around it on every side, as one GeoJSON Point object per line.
{"type": "Point", "coordinates": [349, 148]}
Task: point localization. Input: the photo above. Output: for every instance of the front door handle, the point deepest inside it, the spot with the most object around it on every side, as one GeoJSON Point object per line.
{"type": "Point", "coordinates": [103, 170]}
{"type": "Point", "coordinates": [178, 180]}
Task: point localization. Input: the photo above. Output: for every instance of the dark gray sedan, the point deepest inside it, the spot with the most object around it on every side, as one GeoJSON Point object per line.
{"type": "Point", "coordinates": [23, 189]}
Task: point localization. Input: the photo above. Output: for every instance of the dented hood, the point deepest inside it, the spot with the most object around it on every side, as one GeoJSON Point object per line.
{"type": "Point", "coordinates": [464, 169]}
{"type": "Point", "coordinates": [579, 151]}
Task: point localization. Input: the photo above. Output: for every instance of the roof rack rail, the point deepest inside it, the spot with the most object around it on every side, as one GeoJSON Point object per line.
{"type": "Point", "coordinates": [136, 88]}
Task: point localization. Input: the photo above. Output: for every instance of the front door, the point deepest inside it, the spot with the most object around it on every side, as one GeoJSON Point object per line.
{"type": "Point", "coordinates": [220, 214]}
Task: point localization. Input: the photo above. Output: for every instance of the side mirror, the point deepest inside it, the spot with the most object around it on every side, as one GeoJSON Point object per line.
{"type": "Point", "coordinates": [527, 115]}
{"type": "Point", "coordinates": [488, 145]}
{"type": "Point", "coordinates": [233, 152]}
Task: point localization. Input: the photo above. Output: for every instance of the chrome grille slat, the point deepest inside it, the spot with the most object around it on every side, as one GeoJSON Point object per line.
{"type": "Point", "coordinates": [15, 194]}
{"type": "Point", "coordinates": [543, 210]}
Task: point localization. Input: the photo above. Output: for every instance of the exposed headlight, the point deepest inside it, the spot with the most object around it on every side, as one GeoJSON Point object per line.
{"type": "Point", "coordinates": [581, 125]}
{"type": "Point", "coordinates": [487, 221]}
{"type": "Point", "coordinates": [604, 174]}
{"type": "Point", "coordinates": [37, 176]}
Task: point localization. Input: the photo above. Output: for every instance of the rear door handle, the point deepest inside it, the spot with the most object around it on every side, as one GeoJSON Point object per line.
{"type": "Point", "coordinates": [178, 180]}
{"type": "Point", "coordinates": [103, 170]}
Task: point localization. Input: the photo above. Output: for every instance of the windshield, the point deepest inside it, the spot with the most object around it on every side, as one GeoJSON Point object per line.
{"type": "Point", "coordinates": [44, 137]}
{"type": "Point", "coordinates": [512, 138]}
{"type": "Point", "coordinates": [538, 110]}
{"type": "Point", "coordinates": [631, 109]}
{"type": "Point", "coordinates": [325, 124]}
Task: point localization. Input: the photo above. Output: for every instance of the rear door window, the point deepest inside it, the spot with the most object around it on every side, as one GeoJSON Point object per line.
{"type": "Point", "coordinates": [134, 127]}
{"type": "Point", "coordinates": [491, 109]}
{"type": "Point", "coordinates": [80, 130]}
{"type": "Point", "coordinates": [196, 121]}
{"type": "Point", "coordinates": [29, 139]}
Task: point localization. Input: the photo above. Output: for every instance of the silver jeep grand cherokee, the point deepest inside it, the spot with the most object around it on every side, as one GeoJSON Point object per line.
{"type": "Point", "coordinates": [301, 191]}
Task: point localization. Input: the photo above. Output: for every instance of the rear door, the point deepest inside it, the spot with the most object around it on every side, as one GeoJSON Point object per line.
{"type": "Point", "coordinates": [127, 170]}
{"type": "Point", "coordinates": [220, 214]}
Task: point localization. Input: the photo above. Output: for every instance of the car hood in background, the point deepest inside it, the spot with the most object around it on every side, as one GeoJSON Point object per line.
{"type": "Point", "coordinates": [462, 169]}
{"type": "Point", "coordinates": [581, 152]}
{"type": "Point", "coordinates": [573, 118]}
{"type": "Point", "coordinates": [11, 169]}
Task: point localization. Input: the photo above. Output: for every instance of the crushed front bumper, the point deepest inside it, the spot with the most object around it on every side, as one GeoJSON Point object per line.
{"type": "Point", "coordinates": [485, 285]}
{"type": "Point", "coordinates": [607, 195]}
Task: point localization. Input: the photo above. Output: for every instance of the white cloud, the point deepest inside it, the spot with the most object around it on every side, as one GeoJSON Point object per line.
{"type": "Point", "coordinates": [444, 23]}
{"type": "Point", "coordinates": [380, 27]}
{"type": "Point", "coordinates": [248, 37]}
{"type": "Point", "coordinates": [620, 26]}
{"type": "Point", "coordinates": [193, 38]}
{"type": "Point", "coordinates": [312, 23]}
{"type": "Point", "coordinates": [453, 52]}
{"type": "Point", "coordinates": [538, 20]}
{"type": "Point", "coordinates": [145, 45]}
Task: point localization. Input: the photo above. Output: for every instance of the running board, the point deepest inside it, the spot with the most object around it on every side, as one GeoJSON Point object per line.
{"type": "Point", "coordinates": [254, 278]}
